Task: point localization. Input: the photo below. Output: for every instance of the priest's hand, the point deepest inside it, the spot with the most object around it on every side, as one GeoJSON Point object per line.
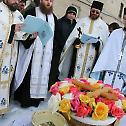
{"type": "Point", "coordinates": [34, 35]}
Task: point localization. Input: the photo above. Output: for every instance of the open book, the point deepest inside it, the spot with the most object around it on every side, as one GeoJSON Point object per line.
{"type": "Point", "coordinates": [89, 39]}
{"type": "Point", "coordinates": [34, 24]}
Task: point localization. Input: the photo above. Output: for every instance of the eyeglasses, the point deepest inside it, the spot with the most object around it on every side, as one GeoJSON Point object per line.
{"type": "Point", "coordinates": [95, 11]}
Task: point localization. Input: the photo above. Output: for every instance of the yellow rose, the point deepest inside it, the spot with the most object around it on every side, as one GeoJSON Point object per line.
{"type": "Point", "coordinates": [84, 98]}
{"type": "Point", "coordinates": [124, 104]}
{"type": "Point", "coordinates": [64, 106]}
{"type": "Point", "coordinates": [92, 103]}
{"type": "Point", "coordinates": [65, 89]}
{"type": "Point", "coordinates": [100, 112]}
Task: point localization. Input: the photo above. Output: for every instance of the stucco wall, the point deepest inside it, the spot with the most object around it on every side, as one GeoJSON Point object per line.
{"type": "Point", "coordinates": [109, 14]}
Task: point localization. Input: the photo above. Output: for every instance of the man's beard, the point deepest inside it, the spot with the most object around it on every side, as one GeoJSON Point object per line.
{"type": "Point", "coordinates": [46, 10]}
{"type": "Point", "coordinates": [93, 17]}
{"type": "Point", "coordinates": [12, 7]}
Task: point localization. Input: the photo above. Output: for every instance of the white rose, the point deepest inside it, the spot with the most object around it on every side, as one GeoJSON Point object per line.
{"type": "Point", "coordinates": [53, 103]}
{"type": "Point", "coordinates": [68, 96]}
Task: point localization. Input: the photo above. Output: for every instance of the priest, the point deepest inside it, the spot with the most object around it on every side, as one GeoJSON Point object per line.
{"type": "Point", "coordinates": [37, 65]}
{"type": "Point", "coordinates": [112, 61]}
{"type": "Point", "coordinates": [10, 25]}
{"type": "Point", "coordinates": [81, 63]}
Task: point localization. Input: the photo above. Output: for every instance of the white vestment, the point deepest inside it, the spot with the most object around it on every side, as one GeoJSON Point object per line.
{"type": "Point", "coordinates": [109, 59]}
{"type": "Point", "coordinates": [8, 52]}
{"type": "Point", "coordinates": [86, 54]}
{"type": "Point", "coordinates": [41, 62]}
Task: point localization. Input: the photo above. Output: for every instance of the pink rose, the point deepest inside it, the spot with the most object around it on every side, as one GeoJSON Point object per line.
{"type": "Point", "coordinates": [74, 104]}
{"type": "Point", "coordinates": [54, 88]}
{"type": "Point", "coordinates": [73, 90]}
{"type": "Point", "coordinates": [77, 95]}
{"type": "Point", "coordinates": [99, 99]}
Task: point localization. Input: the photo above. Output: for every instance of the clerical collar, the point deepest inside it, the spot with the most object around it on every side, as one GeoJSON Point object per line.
{"type": "Point", "coordinates": [124, 29]}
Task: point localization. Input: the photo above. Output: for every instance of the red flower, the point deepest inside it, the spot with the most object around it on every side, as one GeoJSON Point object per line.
{"type": "Point", "coordinates": [110, 103]}
{"type": "Point", "coordinates": [117, 112]}
{"type": "Point", "coordinates": [100, 81]}
{"type": "Point", "coordinates": [118, 93]}
{"type": "Point", "coordinates": [83, 110]}
{"type": "Point", "coordinates": [107, 85]}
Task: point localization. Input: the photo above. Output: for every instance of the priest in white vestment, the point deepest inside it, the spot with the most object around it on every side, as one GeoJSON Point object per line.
{"type": "Point", "coordinates": [112, 60]}
{"type": "Point", "coordinates": [10, 25]}
{"type": "Point", "coordinates": [37, 65]}
{"type": "Point", "coordinates": [87, 54]}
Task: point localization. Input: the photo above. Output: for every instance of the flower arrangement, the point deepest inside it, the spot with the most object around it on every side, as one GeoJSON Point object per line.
{"type": "Point", "coordinates": [87, 97]}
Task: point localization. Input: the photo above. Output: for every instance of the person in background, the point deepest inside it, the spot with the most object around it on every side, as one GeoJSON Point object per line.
{"type": "Point", "coordinates": [112, 61]}
{"type": "Point", "coordinates": [21, 5]}
{"type": "Point", "coordinates": [10, 26]}
{"type": "Point", "coordinates": [113, 26]}
{"type": "Point", "coordinates": [67, 23]}
{"type": "Point", "coordinates": [37, 65]}
{"type": "Point", "coordinates": [33, 4]}
{"type": "Point", "coordinates": [77, 60]}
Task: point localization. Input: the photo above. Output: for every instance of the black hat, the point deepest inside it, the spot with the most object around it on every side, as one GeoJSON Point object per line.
{"type": "Point", "coordinates": [71, 9]}
{"type": "Point", "coordinates": [124, 11]}
{"type": "Point", "coordinates": [98, 5]}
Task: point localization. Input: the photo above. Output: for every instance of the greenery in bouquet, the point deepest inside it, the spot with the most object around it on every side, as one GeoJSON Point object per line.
{"type": "Point", "coordinates": [87, 97]}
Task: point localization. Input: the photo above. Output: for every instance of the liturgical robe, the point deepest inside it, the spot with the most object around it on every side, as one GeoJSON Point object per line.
{"type": "Point", "coordinates": [86, 55]}
{"type": "Point", "coordinates": [35, 66]}
{"type": "Point", "coordinates": [109, 60]}
{"type": "Point", "coordinates": [8, 52]}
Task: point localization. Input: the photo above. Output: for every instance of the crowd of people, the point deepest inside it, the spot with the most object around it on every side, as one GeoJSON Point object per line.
{"type": "Point", "coordinates": [27, 68]}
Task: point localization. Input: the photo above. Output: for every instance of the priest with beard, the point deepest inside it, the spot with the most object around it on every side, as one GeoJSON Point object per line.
{"type": "Point", "coordinates": [37, 66]}
{"type": "Point", "coordinates": [78, 59]}
{"type": "Point", "coordinates": [10, 25]}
